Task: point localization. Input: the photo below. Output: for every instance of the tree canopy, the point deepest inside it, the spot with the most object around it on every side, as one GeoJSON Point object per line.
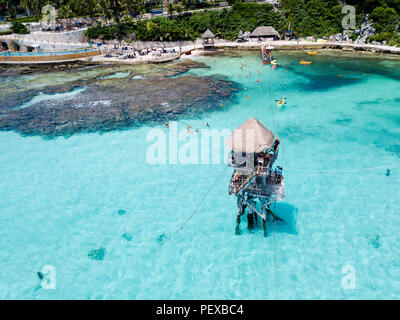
{"type": "Point", "coordinates": [304, 17]}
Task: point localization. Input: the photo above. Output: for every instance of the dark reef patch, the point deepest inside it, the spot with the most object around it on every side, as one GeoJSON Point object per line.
{"type": "Point", "coordinates": [343, 122]}
{"type": "Point", "coordinates": [110, 104]}
{"type": "Point", "coordinates": [298, 134]}
{"type": "Point", "coordinates": [322, 82]}
{"type": "Point", "coordinates": [346, 67]}
{"type": "Point", "coordinates": [173, 70]}
{"type": "Point", "coordinates": [97, 254]}
{"type": "Point", "coordinates": [369, 102]}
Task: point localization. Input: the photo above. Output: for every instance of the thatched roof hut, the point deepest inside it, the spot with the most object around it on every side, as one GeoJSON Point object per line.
{"type": "Point", "coordinates": [251, 137]}
{"type": "Point", "coordinates": [208, 35]}
{"type": "Point", "coordinates": [265, 32]}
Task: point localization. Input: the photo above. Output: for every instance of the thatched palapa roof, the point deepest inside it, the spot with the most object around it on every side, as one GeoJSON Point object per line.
{"type": "Point", "coordinates": [208, 34]}
{"type": "Point", "coordinates": [251, 137]}
{"type": "Point", "coordinates": [265, 32]}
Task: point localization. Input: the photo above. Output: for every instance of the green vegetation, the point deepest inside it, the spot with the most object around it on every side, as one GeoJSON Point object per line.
{"type": "Point", "coordinates": [386, 16]}
{"type": "Point", "coordinates": [313, 17]}
{"type": "Point", "coordinates": [224, 24]}
{"type": "Point", "coordinates": [19, 28]}
{"type": "Point", "coordinates": [304, 17]}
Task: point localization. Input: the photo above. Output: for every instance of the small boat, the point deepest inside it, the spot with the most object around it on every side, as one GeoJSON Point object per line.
{"type": "Point", "coordinates": [312, 52]}
{"type": "Point", "coordinates": [305, 62]}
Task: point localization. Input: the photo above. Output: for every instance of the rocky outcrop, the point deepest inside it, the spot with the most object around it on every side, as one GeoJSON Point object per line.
{"type": "Point", "coordinates": [365, 31]}
{"type": "Point", "coordinates": [362, 34]}
{"type": "Point", "coordinates": [109, 104]}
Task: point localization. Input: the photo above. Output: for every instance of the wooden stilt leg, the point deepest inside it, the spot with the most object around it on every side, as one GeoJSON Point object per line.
{"type": "Point", "coordinates": [250, 222]}
{"type": "Point", "coordinates": [264, 225]}
{"type": "Point", "coordinates": [239, 213]}
{"type": "Point", "coordinates": [264, 220]}
{"type": "Point", "coordinates": [237, 229]}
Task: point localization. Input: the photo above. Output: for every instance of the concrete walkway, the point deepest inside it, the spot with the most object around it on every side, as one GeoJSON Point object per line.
{"type": "Point", "coordinates": [308, 45]}
{"type": "Point", "coordinates": [250, 45]}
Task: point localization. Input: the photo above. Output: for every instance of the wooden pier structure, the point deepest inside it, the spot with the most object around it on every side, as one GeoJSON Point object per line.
{"type": "Point", "coordinates": [254, 182]}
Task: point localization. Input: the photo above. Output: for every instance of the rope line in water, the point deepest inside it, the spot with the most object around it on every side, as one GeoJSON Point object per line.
{"type": "Point", "coordinates": [322, 172]}
{"type": "Point", "coordinates": [275, 263]}
{"type": "Point", "coordinates": [275, 114]}
{"type": "Point", "coordinates": [201, 201]}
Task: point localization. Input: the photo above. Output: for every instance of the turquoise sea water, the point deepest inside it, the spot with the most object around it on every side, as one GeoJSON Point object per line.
{"type": "Point", "coordinates": [339, 132]}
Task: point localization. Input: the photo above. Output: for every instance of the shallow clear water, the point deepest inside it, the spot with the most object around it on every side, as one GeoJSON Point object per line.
{"type": "Point", "coordinates": [44, 97]}
{"type": "Point", "coordinates": [339, 134]}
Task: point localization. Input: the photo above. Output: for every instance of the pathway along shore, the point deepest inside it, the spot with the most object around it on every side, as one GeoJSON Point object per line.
{"type": "Point", "coordinates": [223, 44]}
{"type": "Point", "coordinates": [252, 45]}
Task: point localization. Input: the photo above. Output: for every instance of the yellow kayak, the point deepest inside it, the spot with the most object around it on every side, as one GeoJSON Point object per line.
{"type": "Point", "coordinates": [312, 52]}
{"type": "Point", "coordinates": [281, 102]}
{"type": "Point", "coordinates": [305, 62]}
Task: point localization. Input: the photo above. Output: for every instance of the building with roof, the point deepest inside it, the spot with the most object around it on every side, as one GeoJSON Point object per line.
{"type": "Point", "coordinates": [265, 33]}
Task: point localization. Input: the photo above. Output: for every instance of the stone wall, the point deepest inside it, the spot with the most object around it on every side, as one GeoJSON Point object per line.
{"type": "Point", "coordinates": [56, 37]}
{"type": "Point", "coordinates": [49, 41]}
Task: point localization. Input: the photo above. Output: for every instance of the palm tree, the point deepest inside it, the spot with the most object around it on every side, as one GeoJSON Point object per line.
{"type": "Point", "coordinates": [105, 8]}
{"type": "Point", "coordinates": [27, 5]}
{"type": "Point", "coordinates": [66, 13]}
{"type": "Point", "coordinates": [36, 6]}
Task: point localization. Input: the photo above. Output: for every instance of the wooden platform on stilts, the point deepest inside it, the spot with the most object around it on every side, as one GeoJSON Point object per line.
{"type": "Point", "coordinates": [254, 182]}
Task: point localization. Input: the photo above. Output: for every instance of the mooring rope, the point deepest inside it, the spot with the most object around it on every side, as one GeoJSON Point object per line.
{"type": "Point", "coordinates": [275, 262]}
{"type": "Point", "coordinates": [283, 157]}
{"type": "Point", "coordinates": [323, 172]}
{"type": "Point", "coordinates": [201, 201]}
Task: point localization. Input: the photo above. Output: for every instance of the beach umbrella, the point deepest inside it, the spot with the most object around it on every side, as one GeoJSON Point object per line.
{"type": "Point", "coordinates": [251, 137]}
